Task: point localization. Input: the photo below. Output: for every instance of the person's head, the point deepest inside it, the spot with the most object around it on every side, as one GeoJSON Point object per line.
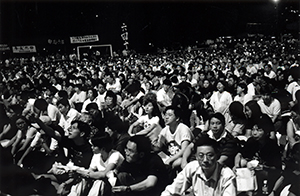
{"type": "Point", "coordinates": [232, 80]}
{"type": "Point", "coordinates": [137, 148]}
{"type": "Point", "coordinates": [242, 71]}
{"type": "Point", "coordinates": [109, 78]}
{"type": "Point", "coordinates": [110, 98]}
{"type": "Point", "coordinates": [101, 87]}
{"type": "Point", "coordinates": [21, 123]}
{"type": "Point", "coordinates": [86, 117]}
{"type": "Point", "coordinates": [92, 109]}
{"type": "Point", "coordinates": [236, 110]}
{"type": "Point", "coordinates": [241, 88]}
{"type": "Point", "coordinates": [167, 84]}
{"type": "Point", "coordinates": [207, 153]}
{"type": "Point", "coordinates": [92, 94]}
{"type": "Point", "coordinates": [102, 145]}
{"type": "Point", "coordinates": [262, 127]}
{"type": "Point", "coordinates": [252, 109]}
{"type": "Point", "coordinates": [221, 85]}
{"type": "Point", "coordinates": [62, 94]}
{"type": "Point", "coordinates": [268, 68]}
{"type": "Point", "coordinates": [266, 95]}
{"type": "Point", "coordinates": [172, 115]}
{"type": "Point", "coordinates": [63, 106]}
{"type": "Point", "coordinates": [217, 123]}
{"type": "Point", "coordinates": [206, 83]}
{"type": "Point", "coordinates": [78, 130]}
{"type": "Point", "coordinates": [150, 106]}
{"type": "Point", "coordinates": [40, 105]}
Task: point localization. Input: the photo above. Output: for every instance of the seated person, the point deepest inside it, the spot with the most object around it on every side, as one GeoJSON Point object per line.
{"type": "Point", "coordinates": [151, 122]}
{"type": "Point", "coordinates": [205, 176]}
{"type": "Point", "coordinates": [228, 144]}
{"type": "Point", "coordinates": [105, 160]}
{"type": "Point", "coordinates": [79, 153]}
{"type": "Point", "coordinates": [290, 175]}
{"type": "Point", "coordinates": [142, 172]}
{"type": "Point", "coordinates": [261, 148]}
{"type": "Point", "coordinates": [25, 134]}
{"type": "Point", "coordinates": [174, 138]}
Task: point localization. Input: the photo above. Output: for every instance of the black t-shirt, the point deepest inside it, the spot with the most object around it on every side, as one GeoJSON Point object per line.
{"type": "Point", "coordinates": [80, 155]}
{"type": "Point", "coordinates": [153, 165]}
{"type": "Point", "coordinates": [268, 154]}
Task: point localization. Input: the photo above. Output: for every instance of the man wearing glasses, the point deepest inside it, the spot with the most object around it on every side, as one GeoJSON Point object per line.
{"type": "Point", "coordinates": [205, 175]}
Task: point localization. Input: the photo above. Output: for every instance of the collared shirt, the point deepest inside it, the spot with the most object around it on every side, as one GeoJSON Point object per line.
{"type": "Point", "coordinates": [221, 183]}
{"type": "Point", "coordinates": [211, 135]}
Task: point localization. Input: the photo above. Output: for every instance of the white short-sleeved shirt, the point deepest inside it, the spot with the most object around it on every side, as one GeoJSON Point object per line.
{"type": "Point", "coordinates": [273, 110]}
{"type": "Point", "coordinates": [78, 98]}
{"type": "Point", "coordinates": [220, 105]}
{"type": "Point", "coordinates": [243, 100]}
{"type": "Point", "coordinates": [115, 87]}
{"type": "Point", "coordinates": [162, 95]}
{"type": "Point", "coordinates": [98, 164]}
{"type": "Point", "coordinates": [146, 123]}
{"type": "Point", "coordinates": [174, 140]}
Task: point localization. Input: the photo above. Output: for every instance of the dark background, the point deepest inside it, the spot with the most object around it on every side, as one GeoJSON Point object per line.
{"type": "Point", "coordinates": [161, 23]}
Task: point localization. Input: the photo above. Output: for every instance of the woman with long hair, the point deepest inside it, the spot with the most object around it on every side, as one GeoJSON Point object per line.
{"type": "Point", "coordinates": [151, 122]}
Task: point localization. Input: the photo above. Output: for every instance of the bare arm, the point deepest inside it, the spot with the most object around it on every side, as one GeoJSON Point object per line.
{"type": "Point", "coordinates": [6, 129]}
{"type": "Point", "coordinates": [48, 130]}
{"type": "Point", "coordinates": [290, 133]}
{"type": "Point", "coordinates": [147, 130]}
{"type": "Point", "coordinates": [131, 128]}
{"type": "Point", "coordinates": [144, 185]}
{"type": "Point", "coordinates": [186, 154]}
{"type": "Point", "coordinates": [179, 154]}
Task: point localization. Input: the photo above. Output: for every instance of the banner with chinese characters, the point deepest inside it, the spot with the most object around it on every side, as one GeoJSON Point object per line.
{"type": "Point", "coordinates": [24, 49]}
{"type": "Point", "coordinates": [84, 39]}
{"type": "Point", "coordinates": [4, 47]}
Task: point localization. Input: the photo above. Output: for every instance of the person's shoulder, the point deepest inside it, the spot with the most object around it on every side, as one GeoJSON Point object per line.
{"type": "Point", "coordinates": [227, 172]}
{"type": "Point", "coordinates": [192, 167]}
{"type": "Point", "coordinates": [183, 126]}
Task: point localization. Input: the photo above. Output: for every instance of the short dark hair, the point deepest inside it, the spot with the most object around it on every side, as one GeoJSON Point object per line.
{"type": "Point", "coordinates": [63, 102]}
{"type": "Point", "coordinates": [265, 123]}
{"type": "Point", "coordinates": [103, 142]}
{"type": "Point", "coordinates": [243, 86]}
{"type": "Point", "coordinates": [91, 106]}
{"type": "Point", "coordinates": [206, 141]}
{"type": "Point", "coordinates": [218, 116]}
{"type": "Point", "coordinates": [83, 127]}
{"type": "Point", "coordinates": [167, 82]}
{"type": "Point", "coordinates": [177, 110]}
{"type": "Point", "coordinates": [63, 94]}
{"type": "Point", "coordinates": [41, 104]}
{"type": "Point", "coordinates": [143, 143]}
{"type": "Point", "coordinates": [94, 91]}
{"type": "Point", "coordinates": [111, 94]}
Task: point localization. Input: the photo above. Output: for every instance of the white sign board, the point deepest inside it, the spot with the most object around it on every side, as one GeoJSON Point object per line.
{"type": "Point", "coordinates": [24, 49]}
{"type": "Point", "coordinates": [84, 39]}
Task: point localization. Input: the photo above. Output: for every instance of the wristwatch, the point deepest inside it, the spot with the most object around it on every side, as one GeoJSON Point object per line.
{"type": "Point", "coordinates": [128, 189]}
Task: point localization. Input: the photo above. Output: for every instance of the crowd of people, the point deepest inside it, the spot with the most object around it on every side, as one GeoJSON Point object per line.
{"type": "Point", "coordinates": [222, 120]}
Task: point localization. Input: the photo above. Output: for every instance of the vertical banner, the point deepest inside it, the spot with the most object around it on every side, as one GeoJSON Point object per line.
{"type": "Point", "coordinates": [124, 35]}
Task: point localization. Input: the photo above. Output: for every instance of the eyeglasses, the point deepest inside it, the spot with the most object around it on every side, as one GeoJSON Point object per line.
{"type": "Point", "coordinates": [209, 156]}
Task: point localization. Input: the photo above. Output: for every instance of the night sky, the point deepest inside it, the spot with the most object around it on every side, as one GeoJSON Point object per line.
{"type": "Point", "coordinates": [162, 23]}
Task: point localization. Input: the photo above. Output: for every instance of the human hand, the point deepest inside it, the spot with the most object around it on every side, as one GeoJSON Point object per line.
{"type": "Point", "coordinates": [83, 172]}
{"type": "Point", "coordinates": [118, 189]}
